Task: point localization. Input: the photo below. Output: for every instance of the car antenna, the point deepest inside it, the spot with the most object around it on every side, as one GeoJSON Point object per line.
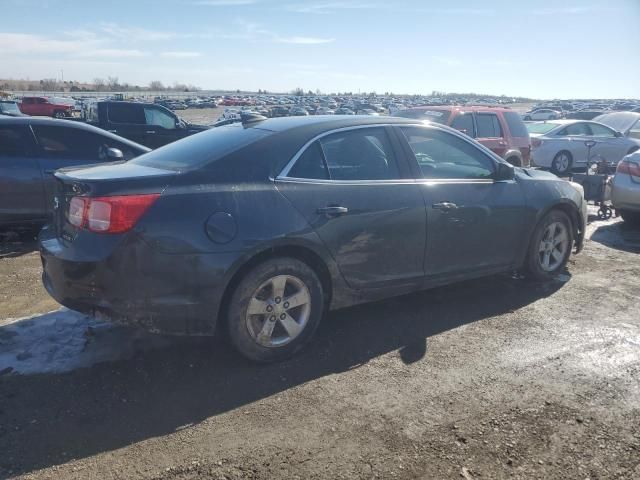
{"type": "Point", "coordinates": [251, 117]}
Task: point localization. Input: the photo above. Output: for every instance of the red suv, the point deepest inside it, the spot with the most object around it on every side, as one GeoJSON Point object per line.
{"type": "Point", "coordinates": [497, 128]}
{"type": "Point", "coordinates": [45, 107]}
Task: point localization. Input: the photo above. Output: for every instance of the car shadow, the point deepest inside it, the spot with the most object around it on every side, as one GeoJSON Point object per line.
{"type": "Point", "coordinates": [619, 235]}
{"type": "Point", "coordinates": [49, 419]}
{"type": "Point", "coordinates": [15, 244]}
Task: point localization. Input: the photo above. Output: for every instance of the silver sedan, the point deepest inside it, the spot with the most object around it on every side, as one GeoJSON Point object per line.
{"type": "Point", "coordinates": [561, 145]}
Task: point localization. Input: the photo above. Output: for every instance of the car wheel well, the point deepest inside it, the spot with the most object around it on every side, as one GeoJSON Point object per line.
{"type": "Point", "coordinates": [570, 212]}
{"type": "Point", "coordinates": [305, 255]}
{"type": "Point", "coordinates": [515, 160]}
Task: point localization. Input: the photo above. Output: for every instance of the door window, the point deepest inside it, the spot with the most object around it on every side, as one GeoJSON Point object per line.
{"type": "Point", "coordinates": [311, 164]}
{"type": "Point", "coordinates": [516, 125]}
{"type": "Point", "coordinates": [601, 131]}
{"type": "Point", "coordinates": [154, 116]}
{"type": "Point", "coordinates": [13, 142]}
{"type": "Point", "coordinates": [488, 126]}
{"type": "Point", "coordinates": [360, 154]}
{"type": "Point", "coordinates": [443, 155]}
{"type": "Point", "coordinates": [124, 112]}
{"type": "Point", "coordinates": [575, 130]}
{"type": "Point", "coordinates": [464, 123]}
{"type": "Point", "coordinates": [73, 143]}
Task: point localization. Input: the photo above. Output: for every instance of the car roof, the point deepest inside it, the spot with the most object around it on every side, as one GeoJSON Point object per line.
{"type": "Point", "coordinates": [323, 122]}
{"type": "Point", "coordinates": [55, 122]}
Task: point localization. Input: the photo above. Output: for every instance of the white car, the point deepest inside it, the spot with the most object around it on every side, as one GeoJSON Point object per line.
{"type": "Point", "coordinates": [560, 144]}
{"type": "Point", "coordinates": [542, 114]}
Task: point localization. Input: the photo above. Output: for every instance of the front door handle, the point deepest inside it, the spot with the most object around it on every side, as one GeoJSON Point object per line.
{"type": "Point", "coordinates": [151, 131]}
{"type": "Point", "coordinates": [444, 206]}
{"type": "Point", "coordinates": [332, 211]}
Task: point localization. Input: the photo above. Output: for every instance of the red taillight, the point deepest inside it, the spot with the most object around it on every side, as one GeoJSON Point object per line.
{"type": "Point", "coordinates": [535, 142]}
{"type": "Point", "coordinates": [630, 168]}
{"type": "Point", "coordinates": [115, 214]}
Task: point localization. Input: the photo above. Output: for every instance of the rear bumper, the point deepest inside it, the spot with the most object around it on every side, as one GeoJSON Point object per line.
{"type": "Point", "coordinates": [135, 285]}
{"type": "Point", "coordinates": [625, 193]}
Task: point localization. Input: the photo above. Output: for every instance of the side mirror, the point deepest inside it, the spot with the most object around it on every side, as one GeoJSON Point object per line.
{"type": "Point", "coordinates": [617, 134]}
{"type": "Point", "coordinates": [114, 154]}
{"type": "Point", "coordinates": [504, 171]}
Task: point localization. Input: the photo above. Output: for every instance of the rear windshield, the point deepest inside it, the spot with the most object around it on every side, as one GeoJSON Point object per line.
{"type": "Point", "coordinates": [516, 125]}
{"type": "Point", "coordinates": [202, 148]}
{"type": "Point", "coordinates": [430, 115]}
{"type": "Point", "coordinates": [543, 127]}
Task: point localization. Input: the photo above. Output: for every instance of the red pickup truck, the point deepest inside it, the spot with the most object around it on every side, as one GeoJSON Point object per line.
{"type": "Point", "coordinates": [44, 106]}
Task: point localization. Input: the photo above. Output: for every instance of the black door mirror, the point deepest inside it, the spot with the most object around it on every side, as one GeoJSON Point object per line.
{"type": "Point", "coordinates": [504, 171]}
{"type": "Point", "coordinates": [114, 154]}
{"type": "Point", "coordinates": [617, 134]}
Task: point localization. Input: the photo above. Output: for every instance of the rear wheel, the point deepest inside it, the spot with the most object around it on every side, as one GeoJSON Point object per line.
{"type": "Point", "coordinates": [275, 310]}
{"type": "Point", "coordinates": [550, 246]}
{"type": "Point", "coordinates": [515, 161]}
{"type": "Point", "coordinates": [562, 163]}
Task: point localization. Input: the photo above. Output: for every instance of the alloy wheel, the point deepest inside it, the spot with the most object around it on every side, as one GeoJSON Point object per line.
{"type": "Point", "coordinates": [553, 246]}
{"type": "Point", "coordinates": [278, 311]}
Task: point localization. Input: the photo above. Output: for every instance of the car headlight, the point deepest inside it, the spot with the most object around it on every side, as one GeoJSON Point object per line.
{"type": "Point", "coordinates": [578, 187]}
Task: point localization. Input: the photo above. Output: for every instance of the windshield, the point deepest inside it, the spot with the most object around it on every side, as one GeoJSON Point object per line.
{"type": "Point", "coordinates": [618, 121]}
{"type": "Point", "coordinates": [9, 107]}
{"type": "Point", "coordinates": [430, 115]}
{"type": "Point", "coordinates": [543, 127]}
{"type": "Point", "coordinates": [202, 148]}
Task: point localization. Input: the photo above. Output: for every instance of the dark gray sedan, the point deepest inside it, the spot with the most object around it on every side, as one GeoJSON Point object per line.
{"type": "Point", "coordinates": [262, 227]}
{"type": "Point", "coordinates": [32, 149]}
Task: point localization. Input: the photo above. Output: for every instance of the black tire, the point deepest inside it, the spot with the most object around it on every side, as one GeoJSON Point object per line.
{"type": "Point", "coordinates": [58, 114]}
{"type": "Point", "coordinates": [515, 161]}
{"type": "Point", "coordinates": [558, 170]}
{"type": "Point", "coordinates": [527, 118]}
{"type": "Point", "coordinates": [533, 264]}
{"type": "Point", "coordinates": [237, 325]}
{"type": "Point", "coordinates": [632, 218]}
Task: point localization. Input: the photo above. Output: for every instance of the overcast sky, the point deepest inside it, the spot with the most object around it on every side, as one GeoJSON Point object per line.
{"type": "Point", "coordinates": [542, 49]}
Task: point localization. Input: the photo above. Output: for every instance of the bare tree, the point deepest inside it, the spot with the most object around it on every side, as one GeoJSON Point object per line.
{"type": "Point", "coordinates": [113, 83]}
{"type": "Point", "coordinates": [156, 85]}
{"type": "Point", "coordinates": [99, 84]}
{"type": "Point", "coordinates": [48, 84]}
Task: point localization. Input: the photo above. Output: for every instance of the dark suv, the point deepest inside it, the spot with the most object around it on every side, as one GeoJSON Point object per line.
{"type": "Point", "coordinates": [497, 128]}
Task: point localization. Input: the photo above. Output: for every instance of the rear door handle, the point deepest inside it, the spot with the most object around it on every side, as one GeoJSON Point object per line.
{"type": "Point", "coordinates": [444, 206]}
{"type": "Point", "coordinates": [151, 131]}
{"type": "Point", "coordinates": [332, 211]}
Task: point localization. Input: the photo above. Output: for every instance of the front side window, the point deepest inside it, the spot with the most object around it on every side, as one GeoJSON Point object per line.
{"type": "Point", "coordinates": [488, 125]}
{"type": "Point", "coordinates": [463, 122]}
{"type": "Point", "coordinates": [360, 154]}
{"type": "Point", "coordinates": [155, 116]}
{"type": "Point", "coordinates": [442, 155]}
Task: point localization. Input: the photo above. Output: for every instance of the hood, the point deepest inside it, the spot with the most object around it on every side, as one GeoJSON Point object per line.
{"type": "Point", "coordinates": [534, 173]}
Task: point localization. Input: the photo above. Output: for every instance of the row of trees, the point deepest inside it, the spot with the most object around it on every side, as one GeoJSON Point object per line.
{"type": "Point", "coordinates": [109, 84]}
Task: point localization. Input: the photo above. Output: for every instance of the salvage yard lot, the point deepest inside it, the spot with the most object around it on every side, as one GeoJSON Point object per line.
{"type": "Point", "coordinates": [495, 378]}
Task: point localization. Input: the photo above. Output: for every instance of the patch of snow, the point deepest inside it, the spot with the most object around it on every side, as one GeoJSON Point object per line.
{"type": "Point", "coordinates": [64, 340]}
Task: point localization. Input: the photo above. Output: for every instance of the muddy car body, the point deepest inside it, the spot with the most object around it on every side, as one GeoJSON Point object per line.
{"type": "Point", "coordinates": [267, 225]}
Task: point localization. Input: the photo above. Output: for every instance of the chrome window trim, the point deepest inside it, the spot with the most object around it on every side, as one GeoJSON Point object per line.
{"type": "Point", "coordinates": [283, 176]}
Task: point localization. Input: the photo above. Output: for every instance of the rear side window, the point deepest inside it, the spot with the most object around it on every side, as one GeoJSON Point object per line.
{"type": "Point", "coordinates": [201, 148]}
{"type": "Point", "coordinates": [126, 113]}
{"type": "Point", "coordinates": [13, 142]}
{"type": "Point", "coordinates": [311, 164]}
{"type": "Point", "coordinates": [445, 156]}
{"type": "Point", "coordinates": [464, 123]}
{"type": "Point", "coordinates": [488, 126]}
{"type": "Point", "coordinates": [361, 154]}
{"type": "Point", "coordinates": [515, 124]}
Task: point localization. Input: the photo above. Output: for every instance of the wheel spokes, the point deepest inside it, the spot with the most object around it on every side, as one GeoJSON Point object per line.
{"type": "Point", "coordinates": [292, 327]}
{"type": "Point", "coordinates": [278, 285]}
{"type": "Point", "coordinates": [295, 300]}
{"type": "Point", "coordinates": [257, 307]}
{"type": "Point", "coordinates": [264, 336]}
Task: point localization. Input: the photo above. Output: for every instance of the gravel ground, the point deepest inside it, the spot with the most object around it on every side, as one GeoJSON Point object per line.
{"type": "Point", "coordinates": [495, 378]}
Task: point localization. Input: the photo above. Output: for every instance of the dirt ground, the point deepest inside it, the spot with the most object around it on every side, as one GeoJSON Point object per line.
{"type": "Point", "coordinates": [495, 378]}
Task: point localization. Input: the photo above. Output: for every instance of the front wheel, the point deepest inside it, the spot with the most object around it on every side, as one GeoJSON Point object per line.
{"type": "Point", "coordinates": [550, 246]}
{"type": "Point", "coordinates": [275, 310]}
{"type": "Point", "coordinates": [58, 114]}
